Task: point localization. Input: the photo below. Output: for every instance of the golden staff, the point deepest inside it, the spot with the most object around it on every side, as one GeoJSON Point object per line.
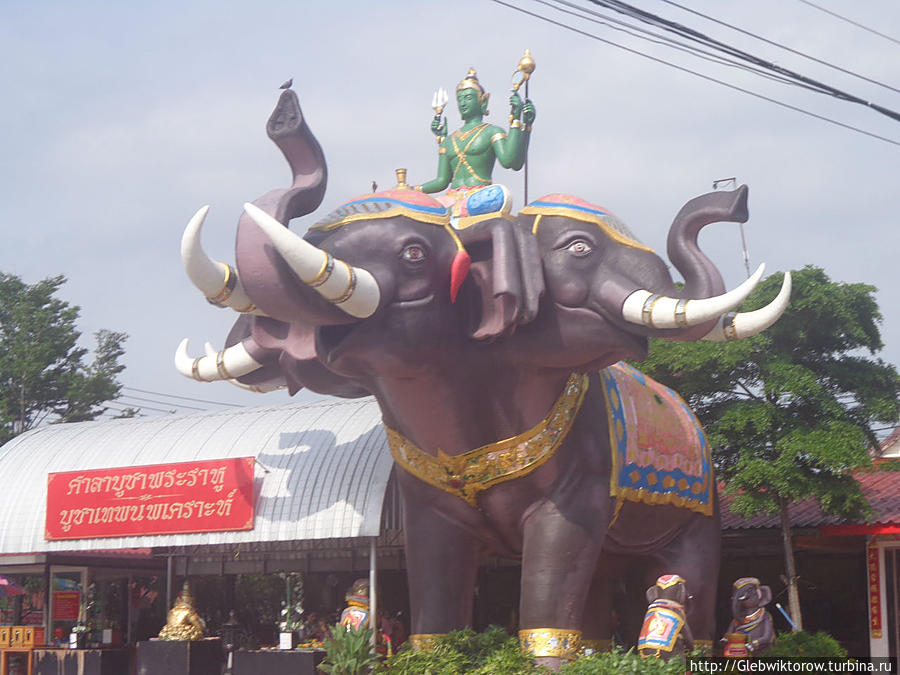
{"type": "Point", "coordinates": [522, 75]}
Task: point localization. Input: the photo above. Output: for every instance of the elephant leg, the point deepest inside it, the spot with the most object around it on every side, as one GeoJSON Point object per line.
{"type": "Point", "coordinates": [694, 555]}
{"type": "Point", "coordinates": [602, 619]}
{"type": "Point", "coordinates": [442, 565]}
{"type": "Point", "coordinates": [562, 544]}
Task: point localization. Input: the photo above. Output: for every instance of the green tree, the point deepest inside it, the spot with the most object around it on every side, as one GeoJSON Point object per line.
{"type": "Point", "coordinates": [790, 412]}
{"type": "Point", "coordinates": [43, 373]}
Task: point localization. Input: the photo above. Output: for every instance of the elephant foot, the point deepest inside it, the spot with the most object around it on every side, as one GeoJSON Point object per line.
{"type": "Point", "coordinates": [550, 647]}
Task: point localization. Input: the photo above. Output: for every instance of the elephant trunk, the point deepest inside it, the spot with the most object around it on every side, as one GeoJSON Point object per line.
{"type": "Point", "coordinates": [701, 277]}
{"type": "Point", "coordinates": [269, 256]}
{"type": "Point", "coordinates": [702, 310]}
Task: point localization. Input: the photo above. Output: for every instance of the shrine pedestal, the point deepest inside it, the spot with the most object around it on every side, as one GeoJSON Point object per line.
{"type": "Point", "coordinates": [165, 657]}
{"type": "Point", "coordinates": [274, 662]}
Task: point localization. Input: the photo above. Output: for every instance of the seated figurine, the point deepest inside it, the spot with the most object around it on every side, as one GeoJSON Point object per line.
{"type": "Point", "coordinates": [665, 632]}
{"type": "Point", "coordinates": [751, 631]}
{"type": "Point", "coordinates": [182, 621]}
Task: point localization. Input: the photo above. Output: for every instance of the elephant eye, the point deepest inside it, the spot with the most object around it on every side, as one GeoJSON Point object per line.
{"type": "Point", "coordinates": [579, 247]}
{"type": "Point", "coordinates": [413, 253]}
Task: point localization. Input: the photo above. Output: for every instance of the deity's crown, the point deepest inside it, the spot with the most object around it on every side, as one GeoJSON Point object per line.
{"type": "Point", "coordinates": [746, 581]}
{"type": "Point", "coordinates": [470, 81]}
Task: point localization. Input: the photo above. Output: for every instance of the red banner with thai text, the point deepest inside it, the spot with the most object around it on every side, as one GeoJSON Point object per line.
{"type": "Point", "coordinates": [874, 590]}
{"type": "Point", "coordinates": [206, 496]}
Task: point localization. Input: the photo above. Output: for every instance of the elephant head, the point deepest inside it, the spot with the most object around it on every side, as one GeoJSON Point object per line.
{"type": "Point", "coordinates": [748, 596]}
{"type": "Point", "coordinates": [668, 587]}
{"type": "Point", "coordinates": [607, 292]}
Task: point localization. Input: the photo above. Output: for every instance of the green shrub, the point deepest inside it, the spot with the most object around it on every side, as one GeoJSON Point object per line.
{"type": "Point", "coordinates": [805, 645]}
{"type": "Point", "coordinates": [618, 662]}
{"type": "Point", "coordinates": [349, 651]}
{"type": "Point", "coordinates": [464, 652]}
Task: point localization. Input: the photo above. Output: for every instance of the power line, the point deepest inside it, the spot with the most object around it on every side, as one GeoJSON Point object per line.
{"type": "Point", "coordinates": [657, 38]}
{"type": "Point", "coordinates": [183, 398]}
{"type": "Point", "coordinates": [150, 400]}
{"type": "Point", "coordinates": [697, 74]}
{"type": "Point", "coordinates": [690, 33]}
{"type": "Point", "coordinates": [844, 18]}
{"type": "Point", "coordinates": [147, 407]}
{"type": "Point", "coordinates": [781, 46]}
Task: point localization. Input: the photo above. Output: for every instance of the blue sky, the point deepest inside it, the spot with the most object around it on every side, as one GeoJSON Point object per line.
{"type": "Point", "coordinates": [121, 119]}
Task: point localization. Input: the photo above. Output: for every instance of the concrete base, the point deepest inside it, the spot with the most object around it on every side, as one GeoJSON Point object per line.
{"type": "Point", "coordinates": [277, 663]}
{"type": "Point", "coordinates": [164, 657]}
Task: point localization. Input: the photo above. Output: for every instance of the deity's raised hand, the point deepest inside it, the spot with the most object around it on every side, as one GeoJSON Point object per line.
{"type": "Point", "coordinates": [528, 112]}
{"type": "Point", "coordinates": [439, 126]}
{"type": "Point", "coordinates": [515, 106]}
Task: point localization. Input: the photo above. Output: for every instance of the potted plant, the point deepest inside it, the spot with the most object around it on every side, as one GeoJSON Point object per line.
{"type": "Point", "coordinates": [349, 651]}
{"type": "Point", "coordinates": [291, 610]}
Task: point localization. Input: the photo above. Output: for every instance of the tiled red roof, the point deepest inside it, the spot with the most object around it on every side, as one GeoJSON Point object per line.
{"type": "Point", "coordinates": [882, 488]}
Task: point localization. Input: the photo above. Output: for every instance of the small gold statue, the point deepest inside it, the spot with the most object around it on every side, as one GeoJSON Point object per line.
{"type": "Point", "coordinates": [182, 621]}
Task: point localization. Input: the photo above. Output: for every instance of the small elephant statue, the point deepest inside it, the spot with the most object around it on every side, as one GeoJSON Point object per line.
{"type": "Point", "coordinates": [751, 631]}
{"type": "Point", "coordinates": [356, 613]}
{"type": "Point", "coordinates": [665, 632]}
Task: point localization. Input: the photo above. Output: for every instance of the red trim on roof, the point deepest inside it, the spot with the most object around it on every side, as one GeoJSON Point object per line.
{"type": "Point", "coordinates": [852, 530]}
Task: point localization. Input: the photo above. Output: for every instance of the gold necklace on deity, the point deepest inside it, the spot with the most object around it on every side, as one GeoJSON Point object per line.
{"type": "Point", "coordinates": [461, 154]}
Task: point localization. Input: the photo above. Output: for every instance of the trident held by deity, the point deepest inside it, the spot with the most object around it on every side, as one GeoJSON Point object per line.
{"type": "Point", "coordinates": [438, 101]}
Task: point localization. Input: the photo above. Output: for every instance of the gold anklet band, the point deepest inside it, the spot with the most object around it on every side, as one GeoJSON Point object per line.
{"type": "Point", "coordinates": [560, 643]}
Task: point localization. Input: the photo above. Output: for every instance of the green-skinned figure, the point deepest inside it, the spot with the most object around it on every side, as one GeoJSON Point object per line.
{"type": "Point", "coordinates": [466, 157]}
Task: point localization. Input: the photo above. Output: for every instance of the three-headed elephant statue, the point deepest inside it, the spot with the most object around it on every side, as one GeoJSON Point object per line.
{"type": "Point", "coordinates": [493, 353]}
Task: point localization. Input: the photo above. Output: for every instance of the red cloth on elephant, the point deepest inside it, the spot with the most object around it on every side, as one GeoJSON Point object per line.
{"type": "Point", "coordinates": [660, 453]}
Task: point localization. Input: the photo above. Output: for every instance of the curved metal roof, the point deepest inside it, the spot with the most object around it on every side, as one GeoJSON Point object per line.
{"type": "Point", "coordinates": [322, 470]}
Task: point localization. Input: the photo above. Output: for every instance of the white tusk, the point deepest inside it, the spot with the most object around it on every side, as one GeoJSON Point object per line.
{"type": "Point", "coordinates": [744, 324]}
{"type": "Point", "coordinates": [257, 388]}
{"type": "Point", "coordinates": [660, 311]}
{"type": "Point", "coordinates": [216, 280]}
{"type": "Point", "coordinates": [232, 362]}
{"type": "Point", "coordinates": [353, 289]}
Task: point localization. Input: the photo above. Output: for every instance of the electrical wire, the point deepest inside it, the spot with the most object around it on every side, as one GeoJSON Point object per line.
{"type": "Point", "coordinates": [781, 46]}
{"type": "Point", "coordinates": [182, 398]}
{"type": "Point", "coordinates": [657, 38]}
{"type": "Point", "coordinates": [146, 407]}
{"type": "Point", "coordinates": [150, 400]}
{"type": "Point", "coordinates": [851, 21]}
{"type": "Point", "coordinates": [690, 33]}
{"type": "Point", "coordinates": [697, 74]}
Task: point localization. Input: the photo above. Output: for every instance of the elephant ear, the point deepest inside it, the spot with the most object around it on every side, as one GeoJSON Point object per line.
{"type": "Point", "coordinates": [653, 593]}
{"type": "Point", "coordinates": [506, 269]}
{"type": "Point", "coordinates": [765, 596]}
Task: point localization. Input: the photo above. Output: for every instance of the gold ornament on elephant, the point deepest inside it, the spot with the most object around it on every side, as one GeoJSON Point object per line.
{"type": "Point", "coordinates": [182, 621]}
{"type": "Point", "coordinates": [468, 474]}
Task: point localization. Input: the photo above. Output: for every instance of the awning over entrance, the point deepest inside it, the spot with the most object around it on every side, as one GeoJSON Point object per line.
{"type": "Point", "coordinates": [322, 471]}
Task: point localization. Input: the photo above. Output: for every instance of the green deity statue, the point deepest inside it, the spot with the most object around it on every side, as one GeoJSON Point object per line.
{"type": "Point", "coordinates": [466, 157]}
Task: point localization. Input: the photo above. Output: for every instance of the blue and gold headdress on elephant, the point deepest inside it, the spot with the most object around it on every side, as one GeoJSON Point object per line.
{"type": "Point", "coordinates": [409, 203]}
{"type": "Point", "coordinates": [569, 206]}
